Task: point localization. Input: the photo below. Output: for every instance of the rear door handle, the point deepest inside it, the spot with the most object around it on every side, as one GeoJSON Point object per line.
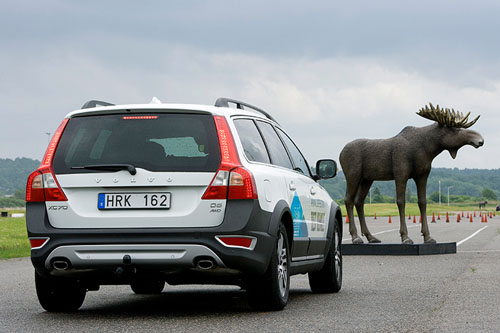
{"type": "Point", "coordinates": [313, 190]}
{"type": "Point", "coordinates": [292, 186]}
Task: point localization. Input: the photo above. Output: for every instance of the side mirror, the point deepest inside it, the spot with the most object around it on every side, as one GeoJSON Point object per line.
{"type": "Point", "coordinates": [326, 169]}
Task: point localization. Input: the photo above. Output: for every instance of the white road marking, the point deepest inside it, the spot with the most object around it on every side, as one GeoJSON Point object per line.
{"type": "Point", "coordinates": [474, 234]}
{"type": "Point", "coordinates": [479, 251]}
{"type": "Point", "coordinates": [383, 232]}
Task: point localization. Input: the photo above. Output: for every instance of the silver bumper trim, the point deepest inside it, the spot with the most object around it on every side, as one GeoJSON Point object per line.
{"type": "Point", "coordinates": [89, 256]}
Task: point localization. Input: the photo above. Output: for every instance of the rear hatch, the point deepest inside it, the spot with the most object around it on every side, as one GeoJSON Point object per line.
{"type": "Point", "coordinates": [137, 170]}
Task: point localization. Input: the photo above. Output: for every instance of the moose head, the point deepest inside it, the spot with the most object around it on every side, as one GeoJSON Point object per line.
{"type": "Point", "coordinates": [453, 128]}
{"type": "Point", "coordinates": [406, 155]}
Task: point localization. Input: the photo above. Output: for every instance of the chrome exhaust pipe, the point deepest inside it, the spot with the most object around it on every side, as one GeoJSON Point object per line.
{"type": "Point", "coordinates": [205, 264]}
{"type": "Point", "coordinates": [60, 265]}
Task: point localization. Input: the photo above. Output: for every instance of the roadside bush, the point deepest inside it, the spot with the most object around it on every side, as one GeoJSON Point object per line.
{"type": "Point", "coordinates": [488, 194]}
{"type": "Point", "coordinates": [11, 202]}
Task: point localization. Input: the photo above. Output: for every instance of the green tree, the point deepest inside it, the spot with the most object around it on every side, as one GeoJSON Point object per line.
{"type": "Point", "coordinates": [408, 194]}
{"type": "Point", "coordinates": [488, 193]}
{"type": "Point", "coordinates": [377, 196]}
{"type": "Point", "coordinates": [435, 197]}
{"type": "Point", "coordinates": [20, 194]}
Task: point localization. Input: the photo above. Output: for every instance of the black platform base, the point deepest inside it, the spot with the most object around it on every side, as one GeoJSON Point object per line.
{"type": "Point", "coordinates": [382, 249]}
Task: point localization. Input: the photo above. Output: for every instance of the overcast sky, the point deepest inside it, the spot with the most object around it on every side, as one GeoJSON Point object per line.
{"type": "Point", "coordinates": [328, 71]}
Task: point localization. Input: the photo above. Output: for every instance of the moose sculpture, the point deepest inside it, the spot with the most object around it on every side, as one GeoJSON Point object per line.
{"type": "Point", "coordinates": [483, 204]}
{"type": "Point", "coordinates": [406, 155]}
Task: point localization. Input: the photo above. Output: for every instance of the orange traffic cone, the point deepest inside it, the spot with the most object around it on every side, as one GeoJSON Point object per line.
{"type": "Point", "coordinates": [458, 218]}
{"type": "Point", "coordinates": [433, 218]}
{"type": "Point", "coordinates": [482, 219]}
{"type": "Point", "coordinates": [471, 218]}
{"type": "Point", "coordinates": [420, 219]}
{"type": "Point", "coordinates": [485, 218]}
{"type": "Point", "coordinates": [414, 220]}
{"type": "Point", "coordinates": [439, 217]}
{"type": "Point", "coordinates": [375, 216]}
{"type": "Point", "coordinates": [480, 214]}
{"type": "Point", "coordinates": [474, 213]}
{"type": "Point", "coordinates": [494, 214]}
{"type": "Point", "coordinates": [467, 214]}
{"type": "Point", "coordinates": [390, 221]}
{"type": "Point", "coordinates": [347, 219]}
{"type": "Point", "coordinates": [462, 213]}
{"type": "Point", "coordinates": [409, 216]}
{"type": "Point", "coordinates": [447, 218]}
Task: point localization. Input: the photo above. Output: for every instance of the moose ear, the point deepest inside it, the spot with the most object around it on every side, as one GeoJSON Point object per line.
{"type": "Point", "coordinates": [453, 153]}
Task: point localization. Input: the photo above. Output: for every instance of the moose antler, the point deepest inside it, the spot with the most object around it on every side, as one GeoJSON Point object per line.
{"type": "Point", "coordinates": [446, 117]}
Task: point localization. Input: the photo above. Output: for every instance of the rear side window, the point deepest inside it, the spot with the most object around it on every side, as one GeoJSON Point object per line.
{"type": "Point", "coordinates": [297, 157]}
{"type": "Point", "coordinates": [253, 146]}
{"type": "Point", "coordinates": [156, 142]}
{"type": "Point", "coordinates": [279, 156]}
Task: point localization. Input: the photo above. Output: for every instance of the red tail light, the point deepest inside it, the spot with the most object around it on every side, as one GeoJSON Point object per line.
{"type": "Point", "coordinates": [231, 181]}
{"type": "Point", "coordinates": [34, 188]}
{"type": "Point", "coordinates": [241, 184]}
{"type": "Point", "coordinates": [42, 184]}
{"type": "Point", "coordinates": [228, 152]}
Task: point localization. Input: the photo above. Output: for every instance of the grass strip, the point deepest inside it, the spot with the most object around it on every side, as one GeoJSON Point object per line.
{"type": "Point", "coordinates": [13, 238]}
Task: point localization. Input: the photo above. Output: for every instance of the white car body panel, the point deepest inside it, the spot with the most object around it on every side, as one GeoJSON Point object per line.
{"type": "Point", "coordinates": [187, 209]}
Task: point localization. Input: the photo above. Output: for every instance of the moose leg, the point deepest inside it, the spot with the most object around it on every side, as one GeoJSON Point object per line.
{"type": "Point", "coordinates": [351, 189]}
{"type": "Point", "coordinates": [422, 205]}
{"type": "Point", "coordinates": [400, 199]}
{"type": "Point", "coordinates": [359, 202]}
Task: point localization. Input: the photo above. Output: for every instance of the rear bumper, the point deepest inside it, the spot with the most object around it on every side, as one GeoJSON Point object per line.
{"type": "Point", "coordinates": [158, 249]}
{"type": "Point", "coordinates": [149, 255]}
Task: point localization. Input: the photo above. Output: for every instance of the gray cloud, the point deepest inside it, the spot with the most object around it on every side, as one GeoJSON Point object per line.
{"type": "Point", "coordinates": [329, 72]}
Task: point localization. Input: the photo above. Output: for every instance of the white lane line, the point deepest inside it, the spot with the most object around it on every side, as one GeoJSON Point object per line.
{"type": "Point", "coordinates": [479, 251]}
{"type": "Point", "coordinates": [474, 234]}
{"type": "Point", "coordinates": [383, 232]}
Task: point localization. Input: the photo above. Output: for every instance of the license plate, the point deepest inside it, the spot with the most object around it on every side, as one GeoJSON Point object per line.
{"type": "Point", "coordinates": [159, 200]}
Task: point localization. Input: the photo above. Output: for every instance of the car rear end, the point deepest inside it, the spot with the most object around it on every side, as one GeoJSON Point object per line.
{"type": "Point", "coordinates": [146, 191]}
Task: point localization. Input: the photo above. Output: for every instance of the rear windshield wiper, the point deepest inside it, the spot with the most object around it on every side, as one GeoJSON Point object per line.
{"type": "Point", "coordinates": [110, 167]}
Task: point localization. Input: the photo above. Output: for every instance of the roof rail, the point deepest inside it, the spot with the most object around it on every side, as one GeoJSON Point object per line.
{"type": "Point", "coordinates": [94, 103]}
{"type": "Point", "coordinates": [224, 102]}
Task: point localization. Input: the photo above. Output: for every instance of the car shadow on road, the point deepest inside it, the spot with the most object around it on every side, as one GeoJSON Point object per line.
{"type": "Point", "coordinates": [185, 303]}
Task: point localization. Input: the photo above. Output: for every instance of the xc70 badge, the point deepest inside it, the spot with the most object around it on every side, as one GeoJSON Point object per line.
{"type": "Point", "coordinates": [58, 208]}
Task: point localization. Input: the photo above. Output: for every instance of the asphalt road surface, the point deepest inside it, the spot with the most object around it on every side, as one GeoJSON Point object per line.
{"type": "Point", "coordinates": [440, 293]}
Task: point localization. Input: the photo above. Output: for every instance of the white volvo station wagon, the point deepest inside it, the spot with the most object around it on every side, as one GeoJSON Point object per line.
{"type": "Point", "coordinates": [145, 194]}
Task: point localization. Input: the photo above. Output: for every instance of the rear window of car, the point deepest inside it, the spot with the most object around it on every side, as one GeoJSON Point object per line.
{"type": "Point", "coordinates": [156, 142]}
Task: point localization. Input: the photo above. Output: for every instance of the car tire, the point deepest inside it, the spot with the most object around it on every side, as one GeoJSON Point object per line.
{"type": "Point", "coordinates": [147, 287]}
{"type": "Point", "coordinates": [269, 292]}
{"type": "Point", "coordinates": [329, 278]}
{"type": "Point", "coordinates": [58, 294]}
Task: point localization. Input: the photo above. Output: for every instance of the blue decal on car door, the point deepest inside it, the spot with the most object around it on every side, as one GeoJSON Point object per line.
{"type": "Point", "coordinates": [299, 223]}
